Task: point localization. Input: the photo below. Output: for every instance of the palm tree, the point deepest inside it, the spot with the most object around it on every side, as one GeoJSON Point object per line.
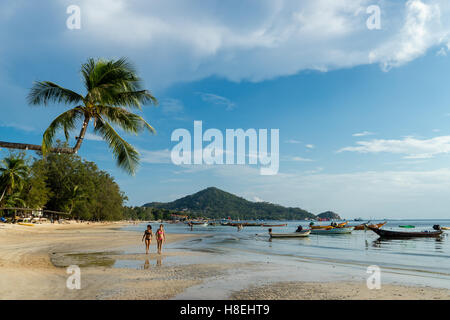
{"type": "Point", "coordinates": [13, 172]}
{"type": "Point", "coordinates": [14, 200]}
{"type": "Point", "coordinates": [112, 90]}
{"type": "Point", "coordinates": [77, 195]}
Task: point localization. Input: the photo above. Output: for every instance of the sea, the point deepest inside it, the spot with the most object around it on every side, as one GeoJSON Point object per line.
{"type": "Point", "coordinates": [422, 261]}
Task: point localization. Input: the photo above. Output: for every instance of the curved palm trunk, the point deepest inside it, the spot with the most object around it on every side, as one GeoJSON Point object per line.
{"type": "Point", "coordinates": [3, 194]}
{"type": "Point", "coordinates": [82, 134]}
{"type": "Point", "coordinates": [35, 147]}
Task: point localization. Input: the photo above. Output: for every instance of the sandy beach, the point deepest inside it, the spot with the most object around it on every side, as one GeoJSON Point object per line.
{"type": "Point", "coordinates": [33, 263]}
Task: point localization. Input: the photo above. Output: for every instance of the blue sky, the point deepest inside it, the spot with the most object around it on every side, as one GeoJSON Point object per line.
{"type": "Point", "coordinates": [364, 115]}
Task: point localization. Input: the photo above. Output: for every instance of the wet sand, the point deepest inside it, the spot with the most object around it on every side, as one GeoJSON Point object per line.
{"type": "Point", "coordinates": [33, 263]}
{"type": "Point", "coordinates": [338, 291]}
{"type": "Point", "coordinates": [33, 260]}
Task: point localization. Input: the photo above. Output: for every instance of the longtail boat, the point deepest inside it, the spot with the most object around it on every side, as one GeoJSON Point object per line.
{"type": "Point", "coordinates": [274, 225]}
{"type": "Point", "coordinates": [25, 224]}
{"type": "Point", "coordinates": [445, 228]}
{"type": "Point", "coordinates": [198, 223]}
{"type": "Point", "coordinates": [341, 230]}
{"type": "Point", "coordinates": [405, 234]}
{"type": "Point", "coordinates": [300, 234]}
{"type": "Point", "coordinates": [245, 224]}
{"type": "Point", "coordinates": [340, 225]}
{"type": "Point", "coordinates": [377, 225]}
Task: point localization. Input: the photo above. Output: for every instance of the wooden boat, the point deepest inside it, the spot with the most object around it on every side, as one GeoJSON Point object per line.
{"type": "Point", "coordinates": [340, 225]}
{"type": "Point", "coordinates": [377, 225]}
{"type": "Point", "coordinates": [26, 224]}
{"type": "Point", "coordinates": [274, 225]}
{"type": "Point", "coordinates": [445, 228]}
{"type": "Point", "coordinates": [198, 223]}
{"type": "Point", "coordinates": [343, 230]}
{"type": "Point", "coordinates": [245, 224]}
{"type": "Point", "coordinates": [405, 234]}
{"type": "Point", "coordinates": [300, 234]}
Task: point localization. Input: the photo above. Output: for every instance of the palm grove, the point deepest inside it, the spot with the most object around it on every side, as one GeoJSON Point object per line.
{"type": "Point", "coordinates": [59, 179]}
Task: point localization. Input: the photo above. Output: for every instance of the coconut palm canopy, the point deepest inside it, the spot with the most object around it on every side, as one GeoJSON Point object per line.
{"type": "Point", "coordinates": [113, 90]}
{"type": "Point", "coordinates": [13, 172]}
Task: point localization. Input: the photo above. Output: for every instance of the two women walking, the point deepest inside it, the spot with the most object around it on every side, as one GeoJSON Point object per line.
{"type": "Point", "coordinates": [160, 238]}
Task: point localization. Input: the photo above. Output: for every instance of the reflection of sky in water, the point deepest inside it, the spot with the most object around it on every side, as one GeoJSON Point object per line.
{"type": "Point", "coordinates": [360, 247]}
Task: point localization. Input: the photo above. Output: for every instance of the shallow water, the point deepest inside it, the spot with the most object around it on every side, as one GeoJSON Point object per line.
{"type": "Point", "coordinates": [427, 258]}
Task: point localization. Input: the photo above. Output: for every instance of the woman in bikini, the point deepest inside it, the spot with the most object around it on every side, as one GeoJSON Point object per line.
{"type": "Point", "coordinates": [160, 237]}
{"type": "Point", "coordinates": [148, 234]}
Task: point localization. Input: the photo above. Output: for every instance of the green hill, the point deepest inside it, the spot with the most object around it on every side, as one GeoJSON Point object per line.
{"type": "Point", "coordinates": [215, 203]}
{"type": "Point", "coordinates": [329, 215]}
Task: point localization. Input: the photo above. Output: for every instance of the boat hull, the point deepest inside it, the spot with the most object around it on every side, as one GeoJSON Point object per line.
{"type": "Point", "coordinates": [274, 225]}
{"type": "Point", "coordinates": [378, 225]}
{"type": "Point", "coordinates": [340, 225]}
{"type": "Point", "coordinates": [405, 235]}
{"type": "Point", "coordinates": [291, 234]}
{"type": "Point", "coordinates": [25, 224]}
{"type": "Point", "coordinates": [345, 230]}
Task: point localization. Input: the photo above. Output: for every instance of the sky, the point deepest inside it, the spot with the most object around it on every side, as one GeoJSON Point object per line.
{"type": "Point", "coordinates": [363, 114]}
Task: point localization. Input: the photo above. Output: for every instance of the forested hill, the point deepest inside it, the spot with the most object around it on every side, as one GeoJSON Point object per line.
{"type": "Point", "coordinates": [215, 203]}
{"type": "Point", "coordinates": [329, 215]}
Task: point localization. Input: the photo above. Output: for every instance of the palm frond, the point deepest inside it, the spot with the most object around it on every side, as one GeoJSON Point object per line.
{"type": "Point", "coordinates": [133, 99]}
{"type": "Point", "coordinates": [46, 91]}
{"type": "Point", "coordinates": [127, 120]}
{"type": "Point", "coordinates": [126, 156]}
{"type": "Point", "coordinates": [66, 121]}
{"type": "Point", "coordinates": [113, 74]}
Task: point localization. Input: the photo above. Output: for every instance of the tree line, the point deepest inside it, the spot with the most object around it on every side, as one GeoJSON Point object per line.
{"type": "Point", "coordinates": [60, 182]}
{"type": "Point", "coordinates": [67, 183]}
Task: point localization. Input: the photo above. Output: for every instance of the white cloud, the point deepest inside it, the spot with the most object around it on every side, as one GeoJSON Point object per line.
{"type": "Point", "coordinates": [421, 30]}
{"type": "Point", "coordinates": [155, 156]}
{"type": "Point", "coordinates": [257, 199]}
{"type": "Point", "coordinates": [411, 147]}
{"type": "Point", "coordinates": [188, 41]}
{"type": "Point", "coordinates": [310, 146]}
{"type": "Point", "coordinates": [171, 106]}
{"type": "Point", "coordinates": [363, 134]}
{"type": "Point", "coordinates": [17, 126]}
{"type": "Point", "coordinates": [92, 137]}
{"type": "Point", "coordinates": [299, 159]}
{"type": "Point", "coordinates": [391, 194]}
{"type": "Point", "coordinates": [293, 141]}
{"type": "Point", "coordinates": [217, 100]}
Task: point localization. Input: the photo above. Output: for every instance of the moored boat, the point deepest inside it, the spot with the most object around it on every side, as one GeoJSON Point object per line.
{"type": "Point", "coordinates": [445, 228]}
{"type": "Point", "coordinates": [342, 230]}
{"type": "Point", "coordinates": [376, 225]}
{"type": "Point", "coordinates": [274, 225]}
{"type": "Point", "coordinates": [245, 224]}
{"type": "Point", "coordinates": [300, 234]}
{"type": "Point", "coordinates": [339, 225]}
{"type": "Point", "coordinates": [25, 224]}
{"type": "Point", "coordinates": [405, 234]}
{"type": "Point", "coordinates": [198, 223]}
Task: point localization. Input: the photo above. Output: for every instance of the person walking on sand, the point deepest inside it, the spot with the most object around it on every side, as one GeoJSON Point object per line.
{"type": "Point", "coordinates": [160, 237]}
{"type": "Point", "coordinates": [148, 234]}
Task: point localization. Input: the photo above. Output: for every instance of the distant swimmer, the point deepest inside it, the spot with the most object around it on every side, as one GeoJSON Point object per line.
{"type": "Point", "coordinates": [148, 234]}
